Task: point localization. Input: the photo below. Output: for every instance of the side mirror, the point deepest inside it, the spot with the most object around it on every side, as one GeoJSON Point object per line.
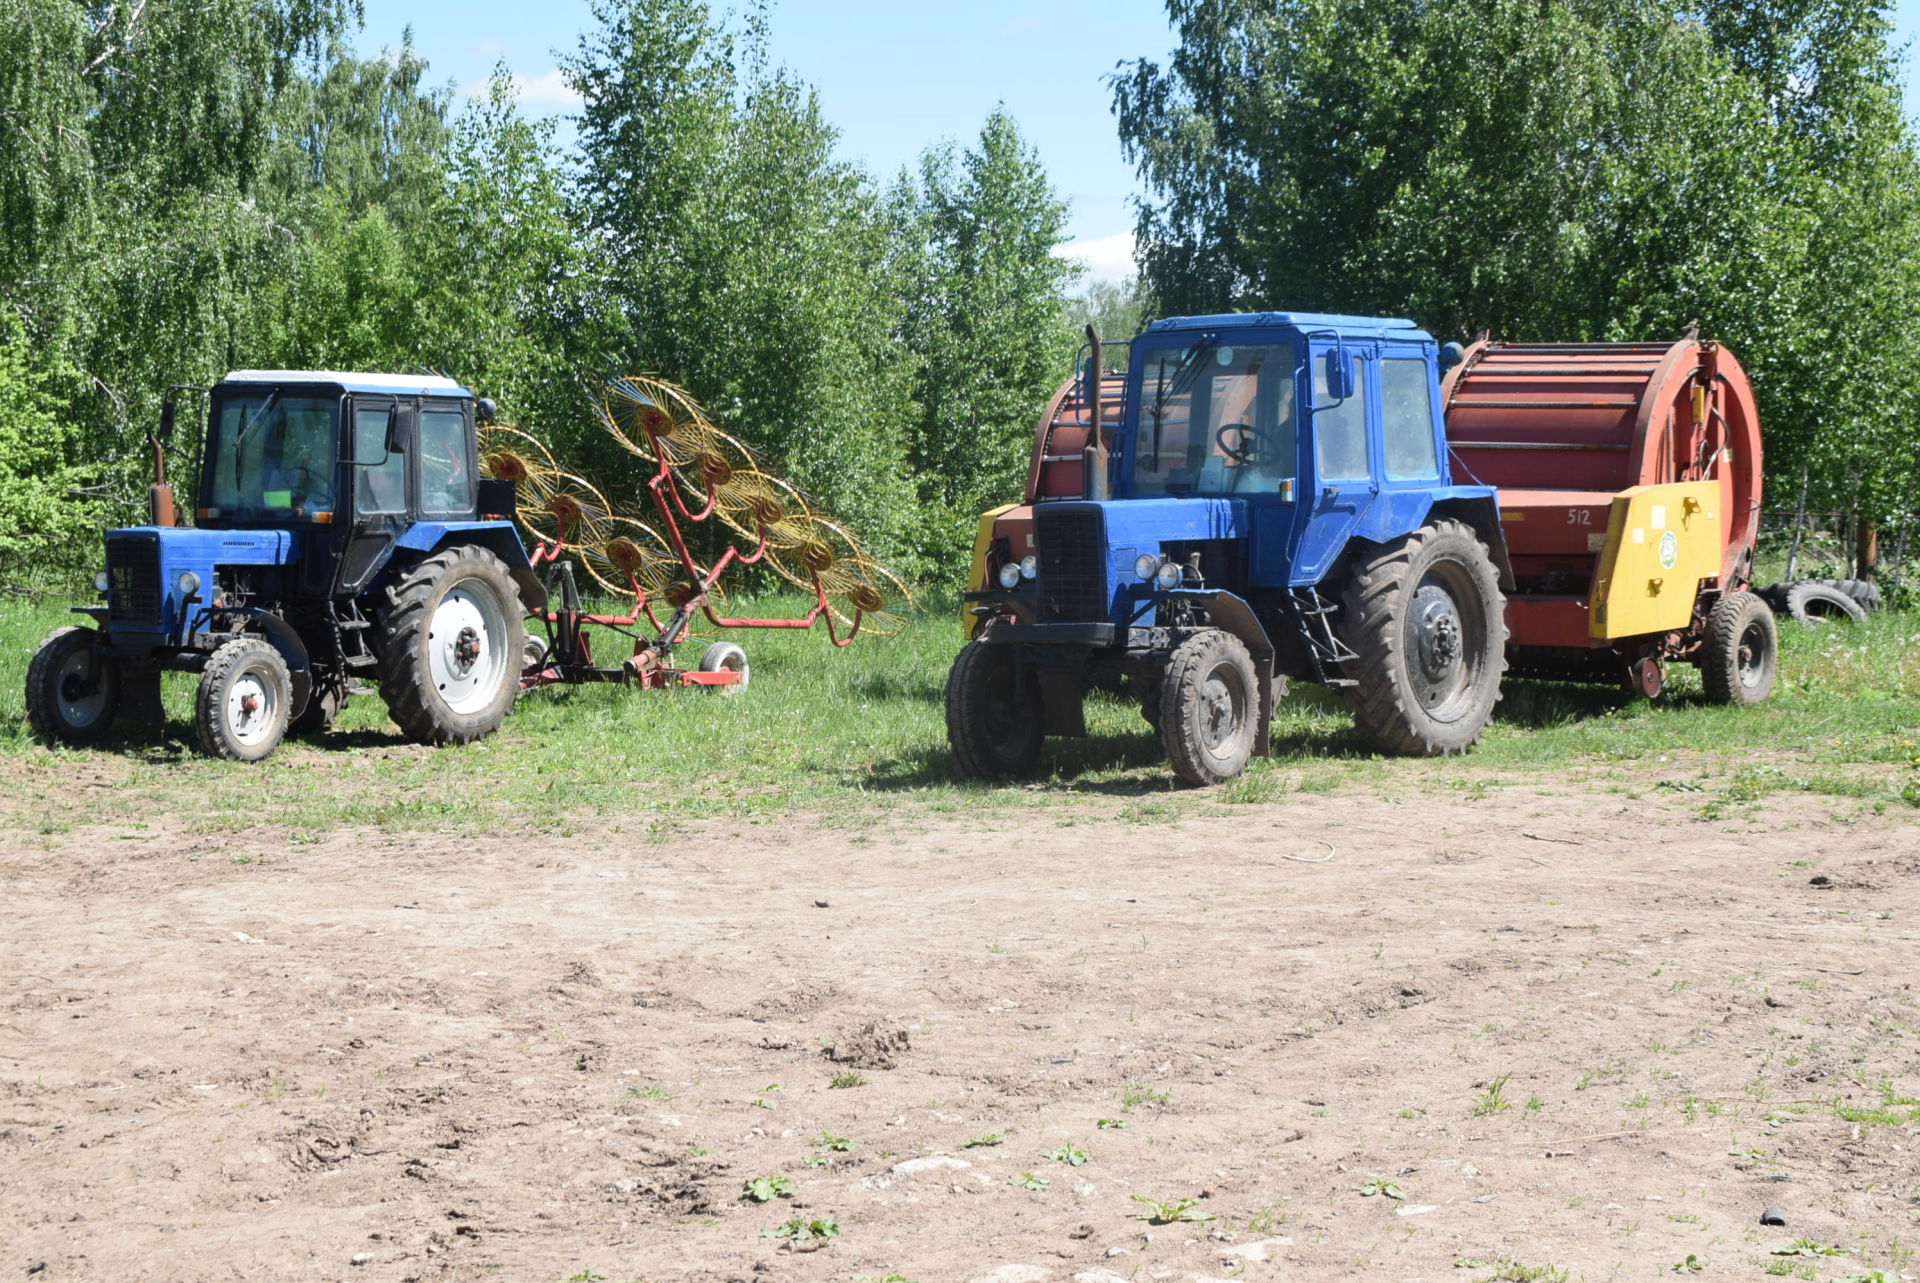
{"type": "Point", "coordinates": [166, 421]}
{"type": "Point", "coordinates": [1339, 374]}
{"type": "Point", "coordinates": [396, 436]}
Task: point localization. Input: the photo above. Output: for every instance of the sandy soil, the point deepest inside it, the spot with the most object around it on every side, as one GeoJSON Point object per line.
{"type": "Point", "coordinates": [1572, 1027]}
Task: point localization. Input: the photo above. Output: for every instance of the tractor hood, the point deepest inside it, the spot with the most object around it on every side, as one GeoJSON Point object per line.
{"type": "Point", "coordinates": [1087, 550]}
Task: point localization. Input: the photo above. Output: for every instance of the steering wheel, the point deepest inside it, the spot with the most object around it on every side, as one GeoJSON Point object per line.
{"type": "Point", "coordinates": [1241, 453]}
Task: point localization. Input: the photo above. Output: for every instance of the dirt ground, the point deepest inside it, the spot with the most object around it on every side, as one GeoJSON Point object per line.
{"type": "Point", "coordinates": [1572, 1023]}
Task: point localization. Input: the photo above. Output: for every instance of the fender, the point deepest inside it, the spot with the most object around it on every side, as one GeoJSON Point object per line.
{"type": "Point", "coordinates": [279, 633]}
{"type": "Point", "coordinates": [1395, 514]}
{"type": "Point", "coordinates": [497, 537]}
{"type": "Point", "coordinates": [1232, 614]}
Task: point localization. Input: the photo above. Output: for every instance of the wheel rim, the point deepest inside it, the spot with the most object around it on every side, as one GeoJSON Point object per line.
{"type": "Point", "coordinates": [82, 697]}
{"type": "Point", "coordinates": [252, 707]}
{"type": "Point", "coordinates": [1751, 661]}
{"type": "Point", "coordinates": [1222, 710]}
{"type": "Point", "coordinates": [464, 653]}
{"type": "Point", "coordinates": [1443, 642]}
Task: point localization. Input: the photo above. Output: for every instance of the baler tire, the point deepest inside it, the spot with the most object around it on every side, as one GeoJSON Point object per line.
{"type": "Point", "coordinates": [1446, 558]}
{"type": "Point", "coordinates": [1146, 688]}
{"type": "Point", "coordinates": [1740, 652]}
{"type": "Point", "coordinates": [1209, 708]}
{"type": "Point", "coordinates": [222, 683]}
{"type": "Point", "coordinates": [323, 707]}
{"type": "Point", "coordinates": [51, 706]}
{"type": "Point", "coordinates": [1865, 595]}
{"type": "Point", "coordinates": [414, 692]}
{"type": "Point", "coordinates": [995, 722]}
{"type": "Point", "coordinates": [1813, 603]}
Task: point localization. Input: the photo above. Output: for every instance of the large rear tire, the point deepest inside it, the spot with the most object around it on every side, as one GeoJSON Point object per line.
{"type": "Point", "coordinates": [1209, 708]}
{"type": "Point", "coordinates": [1740, 654]}
{"type": "Point", "coordinates": [240, 707]}
{"type": "Point", "coordinates": [1427, 620]}
{"type": "Point", "coordinates": [72, 693]}
{"type": "Point", "coordinates": [995, 722]}
{"type": "Point", "coordinates": [454, 646]}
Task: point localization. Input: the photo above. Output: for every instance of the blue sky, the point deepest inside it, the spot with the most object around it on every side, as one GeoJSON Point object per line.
{"type": "Point", "coordinates": [893, 77]}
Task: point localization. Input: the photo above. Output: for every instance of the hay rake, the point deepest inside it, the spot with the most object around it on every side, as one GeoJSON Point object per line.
{"type": "Point", "coordinates": [701, 478]}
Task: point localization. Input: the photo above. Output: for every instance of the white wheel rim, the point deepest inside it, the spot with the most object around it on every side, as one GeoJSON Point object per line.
{"type": "Point", "coordinates": [464, 654]}
{"type": "Point", "coordinates": [86, 710]}
{"type": "Point", "coordinates": [252, 706]}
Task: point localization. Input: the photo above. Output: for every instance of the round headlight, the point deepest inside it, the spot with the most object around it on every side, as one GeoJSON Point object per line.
{"type": "Point", "coordinates": [1169, 576]}
{"type": "Point", "coordinates": [1146, 565]}
{"type": "Point", "coordinates": [186, 583]}
{"type": "Point", "coordinates": [1029, 566]}
{"type": "Point", "coordinates": [101, 582]}
{"type": "Point", "coordinates": [1010, 575]}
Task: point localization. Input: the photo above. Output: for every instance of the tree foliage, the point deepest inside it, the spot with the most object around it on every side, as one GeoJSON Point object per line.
{"type": "Point", "coordinates": [1558, 170]}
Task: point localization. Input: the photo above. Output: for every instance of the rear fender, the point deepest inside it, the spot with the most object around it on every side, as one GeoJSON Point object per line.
{"type": "Point", "coordinates": [1232, 614]}
{"type": "Point", "coordinates": [1482, 512]}
{"type": "Point", "coordinates": [426, 538]}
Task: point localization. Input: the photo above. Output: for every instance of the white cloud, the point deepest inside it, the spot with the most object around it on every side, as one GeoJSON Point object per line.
{"type": "Point", "coordinates": [1108, 258]}
{"type": "Point", "coordinates": [550, 90]}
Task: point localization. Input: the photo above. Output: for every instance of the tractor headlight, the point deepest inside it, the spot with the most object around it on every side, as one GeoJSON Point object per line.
{"type": "Point", "coordinates": [1029, 566]}
{"type": "Point", "coordinates": [186, 583]}
{"type": "Point", "coordinates": [1146, 566]}
{"type": "Point", "coordinates": [102, 582]}
{"type": "Point", "coordinates": [1169, 576]}
{"type": "Point", "coordinates": [1010, 575]}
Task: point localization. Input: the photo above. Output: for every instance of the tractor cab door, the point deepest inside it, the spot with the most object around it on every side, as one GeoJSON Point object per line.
{"type": "Point", "coordinates": [1339, 448]}
{"type": "Point", "coordinates": [381, 439]}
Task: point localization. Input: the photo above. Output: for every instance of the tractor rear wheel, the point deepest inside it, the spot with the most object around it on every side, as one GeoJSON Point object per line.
{"type": "Point", "coordinates": [1740, 654]}
{"type": "Point", "coordinates": [1427, 619]}
{"type": "Point", "coordinates": [240, 707]}
{"type": "Point", "coordinates": [1209, 708]}
{"type": "Point", "coordinates": [72, 693]}
{"type": "Point", "coordinates": [454, 646]}
{"type": "Point", "coordinates": [995, 724]}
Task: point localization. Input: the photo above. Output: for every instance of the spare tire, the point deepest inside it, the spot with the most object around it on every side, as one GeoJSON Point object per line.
{"type": "Point", "coordinates": [1865, 595]}
{"type": "Point", "coordinates": [1814, 603]}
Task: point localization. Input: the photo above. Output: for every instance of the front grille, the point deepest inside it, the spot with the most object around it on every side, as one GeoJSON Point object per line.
{"type": "Point", "coordinates": [133, 575]}
{"type": "Point", "coordinates": [1073, 560]}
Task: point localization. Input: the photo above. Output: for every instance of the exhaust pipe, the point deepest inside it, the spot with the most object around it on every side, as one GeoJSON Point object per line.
{"type": "Point", "coordinates": [1094, 477]}
{"type": "Point", "coordinates": [160, 494]}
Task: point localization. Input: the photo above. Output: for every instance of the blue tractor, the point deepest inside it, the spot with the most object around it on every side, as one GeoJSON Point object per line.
{"type": "Point", "coordinates": [1273, 500]}
{"type": "Point", "coordinates": [341, 531]}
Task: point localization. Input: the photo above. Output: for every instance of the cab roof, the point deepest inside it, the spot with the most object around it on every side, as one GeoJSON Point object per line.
{"type": "Point", "coordinates": [388, 384]}
{"type": "Point", "coordinates": [1380, 326]}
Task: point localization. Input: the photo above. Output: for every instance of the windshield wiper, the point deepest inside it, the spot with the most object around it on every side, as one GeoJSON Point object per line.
{"type": "Point", "coordinates": [247, 427]}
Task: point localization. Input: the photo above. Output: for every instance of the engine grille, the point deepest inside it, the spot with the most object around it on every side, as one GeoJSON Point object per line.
{"type": "Point", "coordinates": [1073, 558]}
{"type": "Point", "coordinates": [133, 574]}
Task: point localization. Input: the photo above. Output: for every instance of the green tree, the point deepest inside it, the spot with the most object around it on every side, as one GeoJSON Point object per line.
{"type": "Point", "coordinates": [46, 517]}
{"type": "Point", "coordinates": [987, 321]}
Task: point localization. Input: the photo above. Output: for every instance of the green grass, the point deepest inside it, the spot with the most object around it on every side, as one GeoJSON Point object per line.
{"type": "Point", "coordinates": [848, 733]}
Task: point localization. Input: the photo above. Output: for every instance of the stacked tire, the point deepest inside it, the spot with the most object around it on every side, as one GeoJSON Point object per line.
{"type": "Point", "coordinates": [1815, 602]}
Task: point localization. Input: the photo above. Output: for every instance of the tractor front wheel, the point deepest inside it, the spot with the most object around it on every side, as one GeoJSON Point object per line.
{"type": "Point", "coordinates": [1209, 708]}
{"type": "Point", "coordinates": [995, 724]}
{"type": "Point", "coordinates": [240, 708]}
{"type": "Point", "coordinates": [454, 648]}
{"type": "Point", "coordinates": [72, 692]}
{"type": "Point", "coordinates": [1427, 620]}
{"type": "Point", "coordinates": [1740, 654]}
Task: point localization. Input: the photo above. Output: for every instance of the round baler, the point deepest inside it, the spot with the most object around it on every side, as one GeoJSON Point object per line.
{"type": "Point", "coordinates": [1629, 480]}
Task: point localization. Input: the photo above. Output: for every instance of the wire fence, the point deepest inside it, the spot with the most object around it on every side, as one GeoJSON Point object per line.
{"type": "Point", "coordinates": [1795, 544]}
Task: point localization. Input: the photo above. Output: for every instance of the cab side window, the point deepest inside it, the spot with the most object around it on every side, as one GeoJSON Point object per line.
{"type": "Point", "coordinates": [446, 474]}
{"type": "Point", "coordinates": [1406, 416]}
{"type": "Point", "coordinates": [382, 485]}
{"type": "Point", "coordinates": [1340, 431]}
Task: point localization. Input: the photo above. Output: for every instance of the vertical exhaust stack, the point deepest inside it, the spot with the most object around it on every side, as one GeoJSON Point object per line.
{"type": "Point", "coordinates": [1096, 455]}
{"type": "Point", "coordinates": [160, 494]}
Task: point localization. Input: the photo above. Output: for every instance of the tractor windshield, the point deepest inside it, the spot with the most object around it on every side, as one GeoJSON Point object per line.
{"type": "Point", "coordinates": [270, 455]}
{"type": "Point", "coordinates": [1215, 420]}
